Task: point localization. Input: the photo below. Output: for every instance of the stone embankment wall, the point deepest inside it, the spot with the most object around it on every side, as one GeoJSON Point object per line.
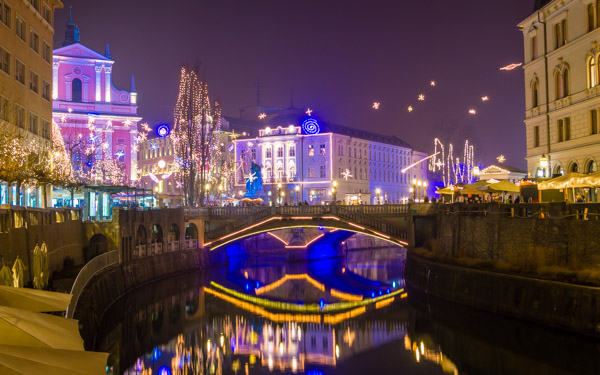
{"type": "Point", "coordinates": [551, 303]}
{"type": "Point", "coordinates": [116, 281]}
{"type": "Point", "coordinates": [526, 235]}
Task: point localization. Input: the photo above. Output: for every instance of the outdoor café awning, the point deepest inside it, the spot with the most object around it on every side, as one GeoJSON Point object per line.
{"type": "Point", "coordinates": [501, 187]}
{"type": "Point", "coordinates": [33, 299]}
{"type": "Point", "coordinates": [571, 180]}
{"type": "Point", "coordinates": [25, 360]}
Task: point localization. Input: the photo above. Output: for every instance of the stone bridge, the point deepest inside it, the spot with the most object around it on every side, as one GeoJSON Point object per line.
{"type": "Point", "coordinates": [224, 225]}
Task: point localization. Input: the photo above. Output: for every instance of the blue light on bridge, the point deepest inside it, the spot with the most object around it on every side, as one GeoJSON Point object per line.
{"type": "Point", "coordinates": [321, 303]}
{"type": "Point", "coordinates": [372, 294]}
{"type": "Point", "coordinates": [388, 291]}
{"type": "Point", "coordinates": [393, 284]}
{"type": "Point", "coordinates": [164, 370]}
{"type": "Point", "coordinates": [320, 227]}
{"type": "Point", "coordinates": [247, 287]}
{"type": "Point", "coordinates": [380, 292]}
{"type": "Point", "coordinates": [257, 285]}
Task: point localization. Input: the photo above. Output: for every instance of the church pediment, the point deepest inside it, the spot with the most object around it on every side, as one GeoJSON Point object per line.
{"type": "Point", "coordinates": [493, 169]}
{"type": "Point", "coordinates": [80, 51]}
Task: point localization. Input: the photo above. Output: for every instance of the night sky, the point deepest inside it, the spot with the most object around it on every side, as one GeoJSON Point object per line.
{"type": "Point", "coordinates": [337, 56]}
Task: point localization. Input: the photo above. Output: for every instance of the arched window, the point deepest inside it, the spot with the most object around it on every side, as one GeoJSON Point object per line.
{"type": "Point", "coordinates": [597, 12]}
{"type": "Point", "coordinates": [574, 168]}
{"type": "Point", "coordinates": [591, 167]}
{"type": "Point", "coordinates": [558, 170]}
{"type": "Point", "coordinates": [534, 93]}
{"type": "Point", "coordinates": [280, 172]}
{"type": "Point", "coordinates": [592, 72]}
{"type": "Point", "coordinates": [76, 90]}
{"type": "Point", "coordinates": [561, 82]}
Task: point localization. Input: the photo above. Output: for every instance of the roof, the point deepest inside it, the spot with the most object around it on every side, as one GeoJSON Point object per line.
{"type": "Point", "coordinates": [327, 127]}
{"type": "Point", "coordinates": [506, 168]}
{"type": "Point", "coordinates": [539, 4]}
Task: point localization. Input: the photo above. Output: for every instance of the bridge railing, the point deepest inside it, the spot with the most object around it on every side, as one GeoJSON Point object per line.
{"type": "Point", "coordinates": [87, 272]}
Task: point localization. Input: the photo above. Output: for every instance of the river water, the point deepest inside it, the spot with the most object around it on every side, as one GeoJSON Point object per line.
{"type": "Point", "coordinates": [335, 316]}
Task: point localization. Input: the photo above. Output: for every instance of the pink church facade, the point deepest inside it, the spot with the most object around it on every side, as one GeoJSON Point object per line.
{"type": "Point", "coordinates": [98, 121]}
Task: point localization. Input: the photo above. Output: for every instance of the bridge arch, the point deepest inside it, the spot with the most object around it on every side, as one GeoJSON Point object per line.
{"type": "Point", "coordinates": [191, 232]}
{"type": "Point", "coordinates": [98, 244]}
{"type": "Point", "coordinates": [329, 222]}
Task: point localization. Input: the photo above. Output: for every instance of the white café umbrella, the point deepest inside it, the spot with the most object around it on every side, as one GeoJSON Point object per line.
{"type": "Point", "coordinates": [33, 300]}
{"type": "Point", "coordinates": [23, 360]}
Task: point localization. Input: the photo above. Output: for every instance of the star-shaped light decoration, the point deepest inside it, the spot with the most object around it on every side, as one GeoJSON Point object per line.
{"type": "Point", "coordinates": [309, 111]}
{"type": "Point", "coordinates": [153, 146]}
{"type": "Point", "coordinates": [439, 164]}
{"type": "Point", "coordinates": [127, 122]}
{"type": "Point", "coordinates": [251, 177]}
{"type": "Point", "coordinates": [472, 111]}
{"type": "Point", "coordinates": [178, 184]}
{"type": "Point", "coordinates": [421, 97]}
{"type": "Point", "coordinates": [146, 127]}
{"type": "Point", "coordinates": [485, 98]}
{"type": "Point", "coordinates": [410, 108]}
{"type": "Point", "coordinates": [432, 83]}
{"type": "Point", "coordinates": [70, 110]}
{"type": "Point", "coordinates": [376, 105]}
{"type": "Point", "coordinates": [262, 115]}
{"type": "Point", "coordinates": [346, 174]}
{"type": "Point", "coordinates": [109, 123]}
{"type": "Point", "coordinates": [63, 118]}
{"type": "Point", "coordinates": [501, 159]}
{"type": "Point", "coordinates": [120, 154]}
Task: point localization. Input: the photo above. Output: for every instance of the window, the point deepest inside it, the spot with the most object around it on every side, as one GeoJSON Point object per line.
{"type": "Point", "coordinates": [19, 71]}
{"type": "Point", "coordinates": [591, 167]}
{"type": "Point", "coordinates": [4, 61]}
{"type": "Point", "coordinates": [564, 129]}
{"type": "Point", "coordinates": [253, 153]}
{"type": "Point", "coordinates": [76, 90]}
{"type": "Point", "coordinates": [322, 172]}
{"type": "Point", "coordinates": [322, 150]}
{"type": "Point", "coordinates": [34, 41]}
{"type": "Point", "coordinates": [560, 33]}
{"type": "Point", "coordinates": [567, 128]}
{"type": "Point", "coordinates": [45, 128]}
{"type": "Point", "coordinates": [19, 116]}
{"type": "Point", "coordinates": [325, 343]}
{"type": "Point", "coordinates": [20, 27]}
{"type": "Point", "coordinates": [311, 150]}
{"type": "Point", "coordinates": [536, 136]}
{"type": "Point", "coordinates": [534, 48]}
{"type": "Point", "coordinates": [47, 14]}
{"type": "Point", "coordinates": [46, 52]}
{"type": "Point", "coordinates": [5, 13]}
{"type": "Point", "coordinates": [590, 17]}
{"type": "Point", "coordinates": [592, 72]}
{"type": "Point", "coordinates": [33, 81]}
{"type": "Point", "coordinates": [534, 94]}
{"type": "Point", "coordinates": [269, 152]}
{"type": "Point", "coordinates": [340, 150]}
{"type": "Point", "coordinates": [36, 4]}
{"type": "Point", "coordinates": [311, 172]}
{"type": "Point", "coordinates": [292, 151]}
{"type": "Point", "coordinates": [3, 108]}
{"type": "Point", "coordinates": [280, 151]}
{"type": "Point", "coordinates": [33, 123]}
{"type": "Point", "coordinates": [561, 81]}
{"type": "Point", "coordinates": [593, 122]}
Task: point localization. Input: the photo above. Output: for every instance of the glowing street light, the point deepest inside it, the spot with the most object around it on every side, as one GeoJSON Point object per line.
{"type": "Point", "coordinates": [297, 189]}
{"type": "Point", "coordinates": [378, 195]}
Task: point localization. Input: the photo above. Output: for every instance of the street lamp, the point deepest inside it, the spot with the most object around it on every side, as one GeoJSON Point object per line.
{"type": "Point", "coordinates": [282, 197]}
{"type": "Point", "coordinates": [297, 189]}
{"type": "Point", "coordinates": [544, 164]}
{"type": "Point", "coordinates": [377, 194]}
{"type": "Point", "coordinates": [312, 194]}
{"type": "Point", "coordinates": [334, 191]}
{"type": "Point", "coordinates": [279, 193]}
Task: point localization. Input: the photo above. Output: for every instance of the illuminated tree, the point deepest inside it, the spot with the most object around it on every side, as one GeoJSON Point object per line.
{"type": "Point", "coordinates": [14, 156]}
{"type": "Point", "coordinates": [193, 136]}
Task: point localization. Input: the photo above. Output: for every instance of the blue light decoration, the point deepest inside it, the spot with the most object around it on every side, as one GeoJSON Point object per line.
{"type": "Point", "coordinates": [321, 303]}
{"type": "Point", "coordinates": [247, 287]}
{"type": "Point", "coordinates": [388, 291]}
{"type": "Point", "coordinates": [163, 130]}
{"type": "Point", "coordinates": [257, 285]}
{"type": "Point", "coordinates": [311, 126]}
{"type": "Point", "coordinates": [394, 284]}
{"type": "Point", "coordinates": [372, 294]}
{"type": "Point", "coordinates": [164, 370]}
{"type": "Point", "coordinates": [230, 148]}
{"type": "Point", "coordinates": [320, 227]}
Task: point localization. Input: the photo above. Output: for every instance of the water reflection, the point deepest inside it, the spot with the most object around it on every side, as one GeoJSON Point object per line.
{"type": "Point", "coordinates": [347, 316]}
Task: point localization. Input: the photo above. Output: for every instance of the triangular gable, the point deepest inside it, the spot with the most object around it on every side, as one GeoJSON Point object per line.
{"type": "Point", "coordinates": [80, 51]}
{"type": "Point", "coordinates": [494, 169]}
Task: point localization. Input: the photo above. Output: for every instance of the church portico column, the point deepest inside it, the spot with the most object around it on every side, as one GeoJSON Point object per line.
{"type": "Point", "coordinates": [98, 69]}
{"type": "Point", "coordinates": [55, 80]}
{"type": "Point", "coordinates": [107, 83]}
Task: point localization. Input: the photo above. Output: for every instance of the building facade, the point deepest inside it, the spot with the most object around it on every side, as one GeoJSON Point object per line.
{"type": "Point", "coordinates": [562, 87]}
{"type": "Point", "coordinates": [303, 159]}
{"type": "Point", "coordinates": [27, 31]}
{"type": "Point", "coordinates": [99, 123]}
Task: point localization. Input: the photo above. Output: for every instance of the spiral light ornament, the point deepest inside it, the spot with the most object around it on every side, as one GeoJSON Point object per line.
{"type": "Point", "coordinates": [310, 126]}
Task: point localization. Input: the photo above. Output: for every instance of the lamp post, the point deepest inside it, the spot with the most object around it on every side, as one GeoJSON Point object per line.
{"type": "Point", "coordinates": [544, 164]}
{"type": "Point", "coordinates": [312, 193]}
{"type": "Point", "coordinates": [282, 197]}
{"type": "Point", "coordinates": [425, 189]}
{"type": "Point", "coordinates": [377, 195]}
{"type": "Point", "coordinates": [207, 188]}
{"type": "Point", "coordinates": [420, 190]}
{"type": "Point", "coordinates": [334, 191]}
{"type": "Point", "coordinates": [279, 193]}
{"type": "Point", "coordinates": [414, 190]}
{"type": "Point", "coordinates": [297, 189]}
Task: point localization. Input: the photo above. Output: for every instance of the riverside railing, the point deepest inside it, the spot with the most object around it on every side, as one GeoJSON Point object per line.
{"type": "Point", "coordinates": [87, 272]}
